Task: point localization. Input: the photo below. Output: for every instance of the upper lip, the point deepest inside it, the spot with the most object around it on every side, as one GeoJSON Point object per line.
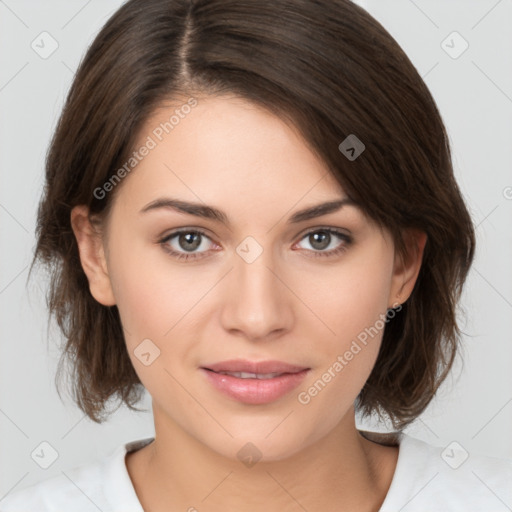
{"type": "Point", "coordinates": [241, 365]}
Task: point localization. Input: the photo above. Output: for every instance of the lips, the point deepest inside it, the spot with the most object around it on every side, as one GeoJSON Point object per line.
{"type": "Point", "coordinates": [248, 375]}
{"type": "Point", "coordinates": [254, 382]}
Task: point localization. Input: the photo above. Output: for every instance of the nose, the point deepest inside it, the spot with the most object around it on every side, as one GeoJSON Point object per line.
{"type": "Point", "coordinates": [257, 302]}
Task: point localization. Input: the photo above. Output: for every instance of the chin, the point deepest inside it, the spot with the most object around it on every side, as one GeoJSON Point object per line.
{"type": "Point", "coordinates": [251, 446]}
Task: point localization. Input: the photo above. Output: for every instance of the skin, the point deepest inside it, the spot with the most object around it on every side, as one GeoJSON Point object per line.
{"type": "Point", "coordinates": [287, 305]}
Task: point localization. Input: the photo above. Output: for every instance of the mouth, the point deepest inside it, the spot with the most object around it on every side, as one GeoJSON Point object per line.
{"type": "Point", "coordinates": [254, 367]}
{"type": "Point", "coordinates": [248, 375]}
{"type": "Point", "coordinates": [252, 382]}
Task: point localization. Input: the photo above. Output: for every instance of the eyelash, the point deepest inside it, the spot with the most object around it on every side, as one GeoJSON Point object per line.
{"type": "Point", "coordinates": [193, 256]}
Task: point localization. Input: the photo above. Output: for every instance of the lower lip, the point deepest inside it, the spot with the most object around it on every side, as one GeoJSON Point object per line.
{"type": "Point", "coordinates": [255, 391]}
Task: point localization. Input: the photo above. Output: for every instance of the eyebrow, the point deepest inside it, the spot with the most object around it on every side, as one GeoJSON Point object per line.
{"type": "Point", "coordinates": [209, 212]}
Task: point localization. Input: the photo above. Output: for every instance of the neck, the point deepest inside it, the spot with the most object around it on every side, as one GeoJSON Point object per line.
{"type": "Point", "coordinates": [341, 471]}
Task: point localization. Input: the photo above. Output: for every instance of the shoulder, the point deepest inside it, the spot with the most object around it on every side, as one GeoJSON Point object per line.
{"type": "Point", "coordinates": [71, 488]}
{"type": "Point", "coordinates": [449, 478]}
{"type": "Point", "coordinates": [98, 485]}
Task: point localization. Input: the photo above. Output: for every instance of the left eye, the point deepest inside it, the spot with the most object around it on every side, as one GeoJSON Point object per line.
{"type": "Point", "coordinates": [188, 241]}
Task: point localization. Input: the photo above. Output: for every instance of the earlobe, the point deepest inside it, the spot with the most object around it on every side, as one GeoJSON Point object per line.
{"type": "Point", "coordinates": [407, 268]}
{"type": "Point", "coordinates": [92, 256]}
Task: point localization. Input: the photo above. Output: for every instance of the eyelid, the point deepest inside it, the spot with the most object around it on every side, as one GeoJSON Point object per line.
{"type": "Point", "coordinates": [167, 234]}
{"type": "Point", "coordinates": [320, 227]}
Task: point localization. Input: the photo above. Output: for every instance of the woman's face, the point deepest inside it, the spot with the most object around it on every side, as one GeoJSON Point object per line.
{"type": "Point", "coordinates": [258, 285]}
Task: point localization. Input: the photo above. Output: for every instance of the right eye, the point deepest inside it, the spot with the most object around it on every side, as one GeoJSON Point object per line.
{"type": "Point", "coordinates": [185, 242]}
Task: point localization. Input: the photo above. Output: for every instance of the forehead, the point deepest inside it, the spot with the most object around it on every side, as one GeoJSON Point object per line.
{"type": "Point", "coordinates": [228, 148]}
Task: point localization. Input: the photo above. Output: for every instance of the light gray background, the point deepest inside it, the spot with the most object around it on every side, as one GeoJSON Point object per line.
{"type": "Point", "coordinates": [474, 95]}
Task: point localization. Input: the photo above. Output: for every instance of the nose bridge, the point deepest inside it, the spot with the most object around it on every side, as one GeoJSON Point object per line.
{"type": "Point", "coordinates": [257, 301]}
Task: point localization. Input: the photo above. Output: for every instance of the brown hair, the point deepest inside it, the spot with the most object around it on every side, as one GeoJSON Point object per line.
{"type": "Point", "coordinates": [329, 68]}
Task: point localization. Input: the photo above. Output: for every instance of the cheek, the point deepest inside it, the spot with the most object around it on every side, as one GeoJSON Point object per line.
{"type": "Point", "coordinates": [353, 306]}
{"type": "Point", "coordinates": [352, 297]}
{"type": "Point", "coordinates": [157, 299]}
{"type": "Point", "coordinates": [148, 297]}
{"type": "Point", "coordinates": [351, 300]}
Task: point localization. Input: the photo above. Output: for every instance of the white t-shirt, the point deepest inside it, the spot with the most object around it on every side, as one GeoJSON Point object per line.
{"type": "Point", "coordinates": [427, 479]}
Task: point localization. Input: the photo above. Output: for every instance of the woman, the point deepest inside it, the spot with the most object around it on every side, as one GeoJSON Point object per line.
{"type": "Point", "coordinates": [250, 211]}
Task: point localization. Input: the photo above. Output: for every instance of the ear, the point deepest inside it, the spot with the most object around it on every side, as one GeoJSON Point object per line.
{"type": "Point", "coordinates": [407, 268]}
{"type": "Point", "coordinates": [92, 255]}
